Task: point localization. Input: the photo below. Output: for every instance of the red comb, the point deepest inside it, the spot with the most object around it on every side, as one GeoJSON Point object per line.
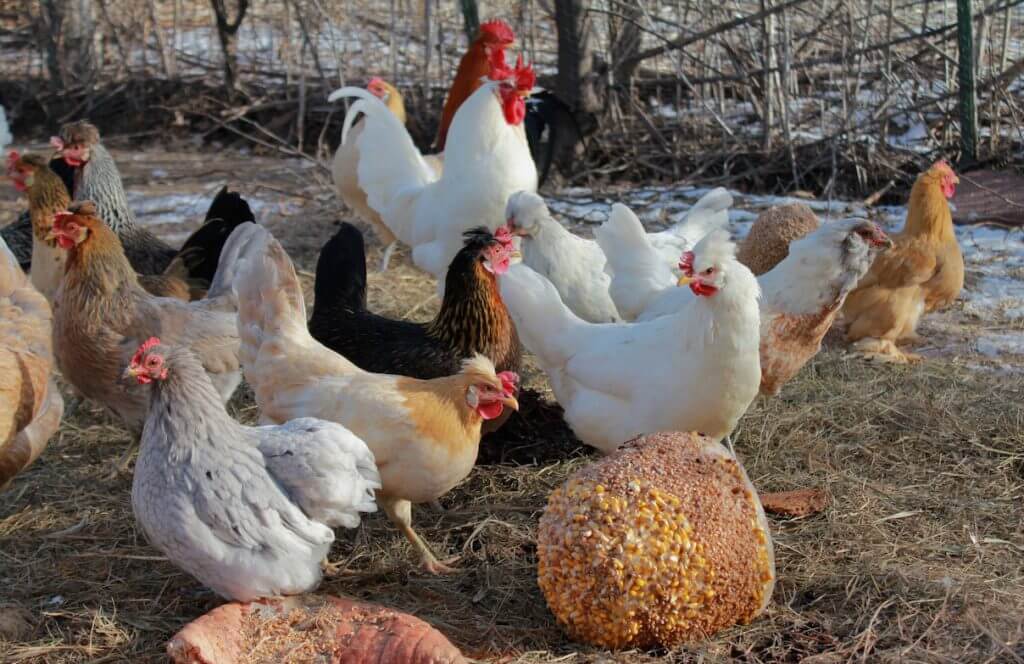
{"type": "Point", "coordinates": [497, 30]}
{"type": "Point", "coordinates": [376, 80]}
{"type": "Point", "coordinates": [503, 235]}
{"type": "Point", "coordinates": [509, 380]}
{"type": "Point", "coordinates": [499, 70]}
{"type": "Point", "coordinates": [144, 348]}
{"type": "Point", "coordinates": [525, 76]}
{"type": "Point", "coordinates": [56, 142]}
{"type": "Point", "coordinates": [12, 158]}
{"type": "Point", "coordinates": [686, 263]}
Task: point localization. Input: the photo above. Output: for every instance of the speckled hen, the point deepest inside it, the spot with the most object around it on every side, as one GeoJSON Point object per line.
{"type": "Point", "coordinates": [246, 510]}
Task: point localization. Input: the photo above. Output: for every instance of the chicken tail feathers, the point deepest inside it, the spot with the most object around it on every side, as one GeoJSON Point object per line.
{"type": "Point", "coordinates": [390, 167]}
{"type": "Point", "coordinates": [248, 239]}
{"type": "Point", "coordinates": [341, 273]}
{"type": "Point", "coordinates": [709, 213]}
{"type": "Point", "coordinates": [270, 302]}
{"type": "Point", "coordinates": [200, 254]}
{"type": "Point", "coordinates": [637, 269]}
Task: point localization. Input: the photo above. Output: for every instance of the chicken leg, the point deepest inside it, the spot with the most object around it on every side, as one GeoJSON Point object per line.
{"type": "Point", "coordinates": [400, 513]}
{"type": "Point", "coordinates": [883, 350]}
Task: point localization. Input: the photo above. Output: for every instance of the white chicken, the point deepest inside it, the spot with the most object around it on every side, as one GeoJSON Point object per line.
{"type": "Point", "coordinates": [800, 296]}
{"type": "Point", "coordinates": [246, 510]}
{"type": "Point", "coordinates": [486, 159]}
{"type": "Point", "coordinates": [697, 370]}
{"type": "Point", "coordinates": [639, 261]}
{"type": "Point", "coordinates": [575, 265]}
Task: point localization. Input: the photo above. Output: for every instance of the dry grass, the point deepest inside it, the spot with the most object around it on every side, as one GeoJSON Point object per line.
{"type": "Point", "coordinates": [919, 559]}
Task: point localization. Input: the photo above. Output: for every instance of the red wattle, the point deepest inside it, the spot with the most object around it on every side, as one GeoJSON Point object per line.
{"type": "Point", "coordinates": [490, 410]}
{"type": "Point", "coordinates": [515, 110]}
{"type": "Point", "coordinates": [65, 242]}
{"type": "Point", "coordinates": [702, 289]}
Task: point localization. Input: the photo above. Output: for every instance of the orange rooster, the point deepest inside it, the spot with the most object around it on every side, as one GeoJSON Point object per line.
{"type": "Point", "coordinates": [475, 65]}
{"type": "Point", "coordinates": [924, 271]}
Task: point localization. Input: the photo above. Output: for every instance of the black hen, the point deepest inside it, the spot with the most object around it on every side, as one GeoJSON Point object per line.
{"type": "Point", "coordinates": [201, 251]}
{"type": "Point", "coordinates": [18, 234]}
{"type": "Point", "coordinates": [472, 319]}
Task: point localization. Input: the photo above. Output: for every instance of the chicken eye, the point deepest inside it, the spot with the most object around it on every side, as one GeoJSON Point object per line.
{"type": "Point", "coordinates": [152, 361]}
{"type": "Point", "coordinates": [710, 270]}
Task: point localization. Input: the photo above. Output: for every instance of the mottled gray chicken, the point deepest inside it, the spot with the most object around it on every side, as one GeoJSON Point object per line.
{"type": "Point", "coordinates": [248, 511]}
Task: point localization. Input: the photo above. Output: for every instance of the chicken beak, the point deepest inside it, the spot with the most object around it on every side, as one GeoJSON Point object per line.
{"type": "Point", "coordinates": [511, 402]}
{"type": "Point", "coordinates": [51, 235]}
{"type": "Point", "coordinates": [684, 280]}
{"type": "Point", "coordinates": [130, 373]}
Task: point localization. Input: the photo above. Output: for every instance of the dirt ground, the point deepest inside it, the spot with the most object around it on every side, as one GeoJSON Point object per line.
{"type": "Point", "coordinates": [920, 557]}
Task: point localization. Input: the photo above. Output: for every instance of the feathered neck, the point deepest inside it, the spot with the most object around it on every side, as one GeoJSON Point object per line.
{"type": "Point", "coordinates": [928, 211]}
{"type": "Point", "coordinates": [46, 196]}
{"type": "Point", "coordinates": [473, 66]}
{"type": "Point", "coordinates": [472, 312]}
{"type": "Point", "coordinates": [731, 316]}
{"type": "Point", "coordinates": [99, 264]}
{"type": "Point", "coordinates": [174, 399]}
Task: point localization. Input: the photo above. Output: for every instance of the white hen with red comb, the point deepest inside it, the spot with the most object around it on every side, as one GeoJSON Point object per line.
{"type": "Point", "coordinates": [696, 370]}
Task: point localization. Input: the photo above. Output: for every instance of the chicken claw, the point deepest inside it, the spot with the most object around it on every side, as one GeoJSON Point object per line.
{"type": "Point", "coordinates": [883, 350]}
{"type": "Point", "coordinates": [400, 513]}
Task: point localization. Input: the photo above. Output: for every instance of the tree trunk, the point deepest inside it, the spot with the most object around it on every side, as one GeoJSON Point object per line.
{"type": "Point", "coordinates": [965, 82]}
{"type": "Point", "coordinates": [227, 32]}
{"type": "Point", "coordinates": [65, 30]}
{"type": "Point", "coordinates": [470, 18]}
{"type": "Point", "coordinates": [577, 81]}
{"type": "Point", "coordinates": [625, 42]}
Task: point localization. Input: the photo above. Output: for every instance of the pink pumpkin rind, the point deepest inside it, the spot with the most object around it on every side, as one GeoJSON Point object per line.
{"type": "Point", "coordinates": [310, 627]}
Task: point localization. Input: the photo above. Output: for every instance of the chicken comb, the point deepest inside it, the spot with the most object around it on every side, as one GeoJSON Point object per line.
{"type": "Point", "coordinates": [496, 31]}
{"type": "Point", "coordinates": [503, 235]}
{"type": "Point", "coordinates": [145, 348]}
{"type": "Point", "coordinates": [942, 165]}
{"type": "Point", "coordinates": [509, 380]}
{"type": "Point", "coordinates": [686, 263]}
{"type": "Point", "coordinates": [500, 71]}
{"type": "Point", "coordinates": [526, 78]}
{"type": "Point", "coordinates": [12, 159]}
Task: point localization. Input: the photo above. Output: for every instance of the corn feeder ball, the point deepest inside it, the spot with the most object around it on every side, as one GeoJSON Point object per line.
{"type": "Point", "coordinates": [663, 542]}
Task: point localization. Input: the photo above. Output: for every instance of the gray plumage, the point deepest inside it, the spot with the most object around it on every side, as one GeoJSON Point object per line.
{"type": "Point", "coordinates": [100, 182]}
{"type": "Point", "coordinates": [248, 511]}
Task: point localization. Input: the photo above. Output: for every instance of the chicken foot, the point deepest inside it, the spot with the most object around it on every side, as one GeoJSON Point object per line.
{"type": "Point", "coordinates": [386, 256]}
{"type": "Point", "coordinates": [400, 513]}
{"type": "Point", "coordinates": [883, 350]}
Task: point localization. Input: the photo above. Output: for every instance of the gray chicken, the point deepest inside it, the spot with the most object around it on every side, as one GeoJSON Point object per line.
{"type": "Point", "coordinates": [248, 511]}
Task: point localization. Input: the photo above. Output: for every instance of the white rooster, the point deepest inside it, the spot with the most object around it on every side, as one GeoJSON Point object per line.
{"type": "Point", "coordinates": [801, 295]}
{"type": "Point", "coordinates": [487, 158]}
{"type": "Point", "coordinates": [639, 261]}
{"type": "Point", "coordinates": [697, 370]}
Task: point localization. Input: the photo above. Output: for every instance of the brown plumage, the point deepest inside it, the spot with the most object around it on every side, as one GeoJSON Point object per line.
{"type": "Point", "coordinates": [102, 314]}
{"type": "Point", "coordinates": [30, 403]}
{"type": "Point", "coordinates": [47, 196]}
{"type": "Point", "coordinates": [924, 271]}
{"type": "Point", "coordinates": [767, 244]}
